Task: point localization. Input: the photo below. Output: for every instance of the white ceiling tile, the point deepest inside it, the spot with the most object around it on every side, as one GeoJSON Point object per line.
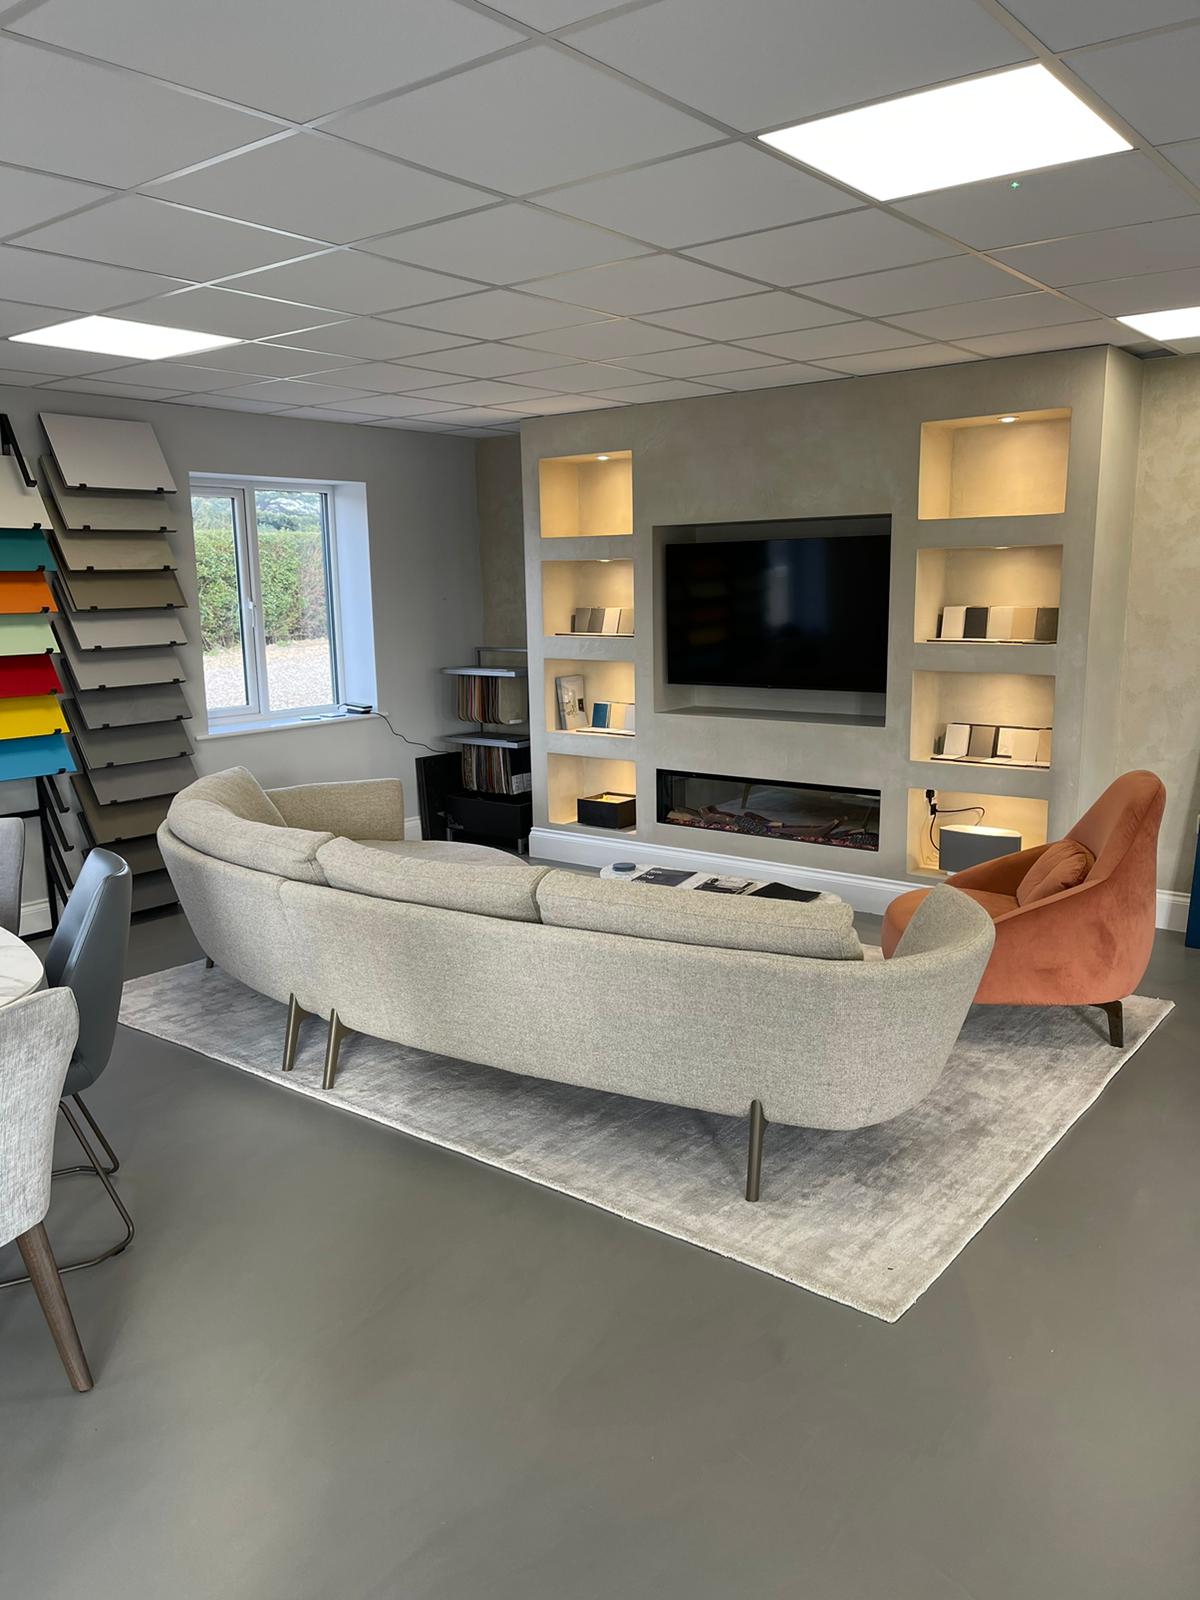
{"type": "Point", "coordinates": [1005, 315]}
{"type": "Point", "coordinates": [60, 363]}
{"type": "Point", "coordinates": [550, 14]}
{"type": "Point", "coordinates": [1074, 336]}
{"type": "Point", "coordinates": [387, 377]}
{"type": "Point", "coordinates": [239, 316]}
{"type": "Point", "coordinates": [17, 316]}
{"type": "Point", "coordinates": [321, 187]}
{"type": "Point", "coordinates": [178, 377]}
{"type": "Point", "coordinates": [1149, 291]}
{"type": "Point", "coordinates": [831, 247]}
{"type": "Point", "coordinates": [603, 341]}
{"type": "Point", "coordinates": [763, 62]}
{"type": "Point", "coordinates": [222, 402]}
{"type": "Point", "coordinates": [272, 361]}
{"type": "Point", "coordinates": [13, 379]}
{"type": "Point", "coordinates": [73, 285]}
{"type": "Point", "coordinates": [583, 377]}
{"type": "Point", "coordinates": [395, 405]}
{"type": "Point", "coordinates": [497, 314]}
{"type": "Point", "coordinates": [1115, 253]}
{"type": "Point", "coordinates": [847, 339]}
{"type": "Point", "coordinates": [507, 244]}
{"type": "Point", "coordinates": [475, 416]}
{"type": "Point", "coordinates": [1106, 193]}
{"type": "Point", "coordinates": [27, 198]}
{"type": "Point", "coordinates": [931, 283]}
{"type": "Point", "coordinates": [1185, 156]}
{"type": "Point", "coordinates": [120, 391]}
{"type": "Point", "coordinates": [324, 414]}
{"type": "Point", "coordinates": [299, 61]}
{"type": "Point", "coordinates": [751, 316]}
{"type": "Point", "coordinates": [708, 194]}
{"type": "Point", "coordinates": [670, 389]}
{"type": "Point", "coordinates": [925, 355]}
{"type": "Point", "coordinates": [484, 393]}
{"type": "Point", "coordinates": [555, 404]}
{"type": "Point", "coordinates": [779, 377]}
{"type": "Point", "coordinates": [650, 283]}
{"type": "Point", "coordinates": [367, 339]}
{"type": "Point", "coordinates": [478, 361]}
{"type": "Point", "coordinates": [526, 122]}
{"type": "Point", "coordinates": [699, 361]}
{"type": "Point", "coordinates": [294, 392]}
{"type": "Point", "coordinates": [349, 280]}
{"type": "Point", "coordinates": [88, 121]}
{"type": "Point", "coordinates": [135, 231]}
{"type": "Point", "coordinates": [1066, 24]}
{"type": "Point", "coordinates": [1151, 82]}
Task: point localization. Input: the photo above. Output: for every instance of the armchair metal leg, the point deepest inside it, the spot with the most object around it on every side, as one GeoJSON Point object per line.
{"type": "Point", "coordinates": [291, 1033]}
{"type": "Point", "coordinates": [95, 1165]}
{"type": "Point", "coordinates": [337, 1032]}
{"type": "Point", "coordinates": [114, 1161]}
{"type": "Point", "coordinates": [1115, 1013]}
{"type": "Point", "coordinates": [47, 1285]}
{"type": "Point", "coordinates": [758, 1123]}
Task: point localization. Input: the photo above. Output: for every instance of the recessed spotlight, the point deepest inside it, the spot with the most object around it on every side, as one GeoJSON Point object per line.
{"type": "Point", "coordinates": [990, 127]}
{"type": "Point", "coordinates": [112, 336]}
{"type": "Point", "coordinates": [601, 458]}
{"type": "Point", "coordinates": [1181, 324]}
{"type": "Point", "coordinates": [1008, 419]}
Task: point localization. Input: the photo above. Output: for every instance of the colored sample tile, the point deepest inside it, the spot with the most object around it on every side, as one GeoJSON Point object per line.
{"type": "Point", "coordinates": [142, 780]}
{"type": "Point", "coordinates": [27, 675]}
{"type": "Point", "coordinates": [25, 636]}
{"type": "Point", "coordinates": [25, 593]}
{"type": "Point", "coordinates": [21, 507]}
{"type": "Point", "coordinates": [30, 716]}
{"type": "Point", "coordinates": [107, 453]}
{"type": "Point", "coordinates": [34, 758]}
{"type": "Point", "coordinates": [25, 550]}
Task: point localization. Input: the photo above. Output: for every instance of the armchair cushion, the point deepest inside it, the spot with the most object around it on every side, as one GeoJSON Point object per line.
{"type": "Point", "coordinates": [1060, 866]}
{"type": "Point", "coordinates": [904, 908]}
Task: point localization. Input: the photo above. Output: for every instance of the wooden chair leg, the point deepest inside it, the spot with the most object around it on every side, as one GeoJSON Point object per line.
{"type": "Point", "coordinates": [1115, 1013]}
{"type": "Point", "coordinates": [47, 1285]}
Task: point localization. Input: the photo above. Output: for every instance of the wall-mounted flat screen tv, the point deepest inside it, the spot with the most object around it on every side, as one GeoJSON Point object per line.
{"type": "Point", "coordinates": [804, 612]}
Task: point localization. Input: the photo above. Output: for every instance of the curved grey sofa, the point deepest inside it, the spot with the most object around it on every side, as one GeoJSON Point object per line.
{"type": "Point", "coordinates": [727, 1005]}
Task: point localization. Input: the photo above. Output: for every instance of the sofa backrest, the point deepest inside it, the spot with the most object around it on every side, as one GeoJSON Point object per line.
{"type": "Point", "coordinates": [229, 816]}
{"type": "Point", "coordinates": [500, 889]}
{"type": "Point", "coordinates": [823, 929]}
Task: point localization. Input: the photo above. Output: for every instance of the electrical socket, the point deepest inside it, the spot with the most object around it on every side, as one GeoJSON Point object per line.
{"type": "Point", "coordinates": [930, 799]}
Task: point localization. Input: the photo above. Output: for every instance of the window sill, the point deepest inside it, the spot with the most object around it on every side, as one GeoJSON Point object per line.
{"type": "Point", "coordinates": [282, 725]}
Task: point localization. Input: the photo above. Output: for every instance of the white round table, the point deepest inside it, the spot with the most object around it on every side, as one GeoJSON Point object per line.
{"type": "Point", "coordinates": [20, 970]}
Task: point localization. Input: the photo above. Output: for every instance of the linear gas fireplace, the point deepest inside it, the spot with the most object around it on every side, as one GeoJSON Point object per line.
{"type": "Point", "coordinates": [768, 808]}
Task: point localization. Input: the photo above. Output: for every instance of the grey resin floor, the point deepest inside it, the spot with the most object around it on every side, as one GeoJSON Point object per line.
{"type": "Point", "coordinates": [339, 1365]}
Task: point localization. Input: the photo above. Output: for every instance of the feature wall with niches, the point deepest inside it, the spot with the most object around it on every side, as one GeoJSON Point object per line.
{"type": "Point", "coordinates": [1009, 572]}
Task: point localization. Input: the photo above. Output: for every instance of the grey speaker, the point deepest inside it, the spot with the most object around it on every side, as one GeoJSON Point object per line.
{"type": "Point", "coordinates": [960, 847]}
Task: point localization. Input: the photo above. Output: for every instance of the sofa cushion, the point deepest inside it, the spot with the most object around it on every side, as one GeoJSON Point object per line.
{"type": "Point", "coordinates": [504, 887]}
{"type": "Point", "coordinates": [1060, 866]}
{"type": "Point", "coordinates": [210, 816]}
{"type": "Point", "coordinates": [443, 850]}
{"type": "Point", "coordinates": [821, 928]}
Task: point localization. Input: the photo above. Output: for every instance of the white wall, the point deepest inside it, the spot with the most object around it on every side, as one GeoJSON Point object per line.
{"type": "Point", "coordinates": [424, 560]}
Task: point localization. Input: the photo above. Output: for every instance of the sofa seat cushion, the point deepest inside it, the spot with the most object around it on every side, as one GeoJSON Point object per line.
{"type": "Point", "coordinates": [821, 928]}
{"type": "Point", "coordinates": [902, 910]}
{"type": "Point", "coordinates": [498, 886]}
{"type": "Point", "coordinates": [444, 850]}
{"type": "Point", "coordinates": [1060, 866]}
{"type": "Point", "coordinates": [210, 816]}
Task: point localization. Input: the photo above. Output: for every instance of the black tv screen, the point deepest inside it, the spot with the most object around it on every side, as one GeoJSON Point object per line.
{"type": "Point", "coordinates": [808, 612]}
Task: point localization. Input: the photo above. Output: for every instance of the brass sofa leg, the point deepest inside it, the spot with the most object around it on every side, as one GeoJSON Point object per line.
{"type": "Point", "coordinates": [291, 1033]}
{"type": "Point", "coordinates": [1115, 1013]}
{"type": "Point", "coordinates": [758, 1123]}
{"type": "Point", "coordinates": [337, 1032]}
{"type": "Point", "coordinates": [209, 963]}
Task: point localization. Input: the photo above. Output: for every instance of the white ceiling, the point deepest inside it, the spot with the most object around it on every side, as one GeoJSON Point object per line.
{"type": "Point", "coordinates": [451, 215]}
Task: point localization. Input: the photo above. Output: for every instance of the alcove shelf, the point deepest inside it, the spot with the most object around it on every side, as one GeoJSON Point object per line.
{"type": "Point", "coordinates": [1024, 813]}
{"type": "Point", "coordinates": [486, 672]}
{"type": "Point", "coordinates": [602, 680]}
{"type": "Point", "coordinates": [1026, 577]}
{"type": "Point", "coordinates": [997, 699]}
{"type": "Point", "coordinates": [570, 586]}
{"type": "Point", "coordinates": [1007, 464]}
{"type": "Point", "coordinates": [497, 741]}
{"type": "Point", "coordinates": [570, 777]}
{"type": "Point", "coordinates": [586, 496]}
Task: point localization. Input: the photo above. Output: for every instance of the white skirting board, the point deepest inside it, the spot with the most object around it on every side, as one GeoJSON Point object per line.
{"type": "Point", "coordinates": [872, 895]}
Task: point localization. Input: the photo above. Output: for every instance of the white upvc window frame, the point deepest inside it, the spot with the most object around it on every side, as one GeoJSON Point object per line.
{"type": "Point", "coordinates": [257, 711]}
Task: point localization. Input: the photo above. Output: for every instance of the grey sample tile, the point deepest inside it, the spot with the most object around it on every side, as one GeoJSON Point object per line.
{"type": "Point", "coordinates": [118, 708]}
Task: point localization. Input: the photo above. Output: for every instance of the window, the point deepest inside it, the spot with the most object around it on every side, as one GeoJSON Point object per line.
{"type": "Point", "coordinates": [266, 577]}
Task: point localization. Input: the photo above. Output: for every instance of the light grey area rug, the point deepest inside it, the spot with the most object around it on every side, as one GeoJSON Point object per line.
{"type": "Point", "coordinates": [869, 1218]}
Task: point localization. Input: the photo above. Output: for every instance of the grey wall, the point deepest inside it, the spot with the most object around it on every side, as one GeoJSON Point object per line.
{"type": "Point", "coordinates": [502, 539]}
{"type": "Point", "coordinates": [424, 558]}
{"type": "Point", "coordinates": [1160, 698]}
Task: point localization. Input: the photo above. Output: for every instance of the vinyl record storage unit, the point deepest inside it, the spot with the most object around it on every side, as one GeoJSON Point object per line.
{"type": "Point", "coordinates": [116, 600]}
{"type": "Point", "coordinates": [33, 751]}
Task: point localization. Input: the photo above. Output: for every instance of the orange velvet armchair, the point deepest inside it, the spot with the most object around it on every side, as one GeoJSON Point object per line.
{"type": "Point", "coordinates": [1087, 945]}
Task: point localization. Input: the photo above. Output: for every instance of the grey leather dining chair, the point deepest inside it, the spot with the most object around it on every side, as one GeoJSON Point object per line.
{"type": "Point", "coordinates": [12, 866]}
{"type": "Point", "coordinates": [87, 956]}
{"type": "Point", "coordinates": [37, 1036]}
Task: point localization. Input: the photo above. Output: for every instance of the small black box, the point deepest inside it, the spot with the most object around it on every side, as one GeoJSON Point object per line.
{"type": "Point", "coordinates": [608, 810]}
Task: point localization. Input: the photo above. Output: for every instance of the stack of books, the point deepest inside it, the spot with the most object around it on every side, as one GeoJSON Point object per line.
{"type": "Point", "coordinates": [490, 770]}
